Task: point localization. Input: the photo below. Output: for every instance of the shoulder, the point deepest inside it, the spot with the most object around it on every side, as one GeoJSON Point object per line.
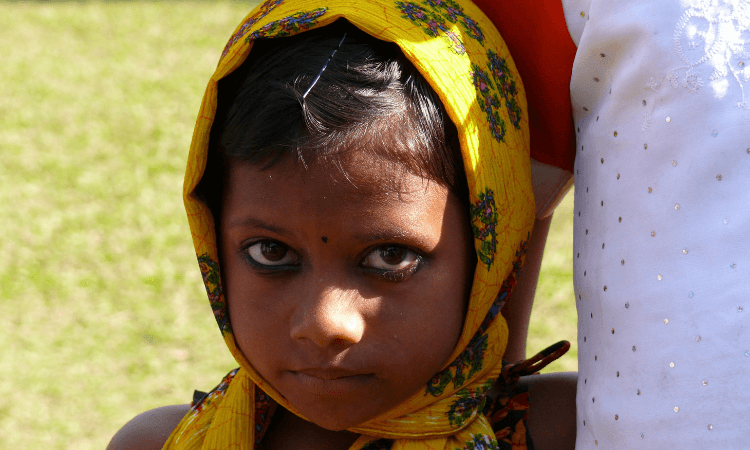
{"type": "Point", "coordinates": [149, 430]}
{"type": "Point", "coordinates": [552, 409]}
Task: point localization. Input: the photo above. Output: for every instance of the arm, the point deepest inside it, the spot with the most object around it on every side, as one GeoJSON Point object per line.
{"type": "Point", "coordinates": [550, 185]}
{"type": "Point", "coordinates": [517, 309]}
{"type": "Point", "coordinates": [149, 430]}
{"type": "Point", "coordinates": [552, 410]}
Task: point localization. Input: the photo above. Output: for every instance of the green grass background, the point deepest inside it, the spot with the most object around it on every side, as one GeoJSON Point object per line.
{"type": "Point", "coordinates": [104, 314]}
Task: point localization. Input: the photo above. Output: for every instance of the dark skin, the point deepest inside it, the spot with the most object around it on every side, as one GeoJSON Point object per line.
{"type": "Point", "coordinates": [350, 308]}
{"type": "Point", "coordinates": [347, 317]}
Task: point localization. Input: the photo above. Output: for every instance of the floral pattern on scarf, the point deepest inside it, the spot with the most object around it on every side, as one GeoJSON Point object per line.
{"type": "Point", "coordinates": [212, 282]}
{"type": "Point", "coordinates": [263, 10]}
{"type": "Point", "coordinates": [483, 224]}
{"type": "Point", "coordinates": [289, 25]}
{"type": "Point", "coordinates": [433, 16]}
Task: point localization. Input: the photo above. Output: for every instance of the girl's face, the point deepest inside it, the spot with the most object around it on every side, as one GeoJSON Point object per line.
{"type": "Point", "coordinates": [346, 297]}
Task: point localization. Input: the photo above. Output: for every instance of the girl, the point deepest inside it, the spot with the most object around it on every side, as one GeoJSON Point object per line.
{"type": "Point", "coordinates": [359, 194]}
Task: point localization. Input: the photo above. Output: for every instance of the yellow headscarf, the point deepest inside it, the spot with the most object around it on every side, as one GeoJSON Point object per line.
{"type": "Point", "coordinates": [461, 55]}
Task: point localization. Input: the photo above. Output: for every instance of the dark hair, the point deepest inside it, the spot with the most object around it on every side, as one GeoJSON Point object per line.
{"type": "Point", "coordinates": [369, 98]}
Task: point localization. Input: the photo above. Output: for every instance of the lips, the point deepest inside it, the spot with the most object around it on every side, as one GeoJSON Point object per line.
{"type": "Point", "coordinates": [331, 381]}
{"type": "Point", "coordinates": [329, 374]}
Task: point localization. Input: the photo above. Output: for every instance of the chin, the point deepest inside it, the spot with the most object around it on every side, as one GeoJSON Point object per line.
{"type": "Point", "coordinates": [336, 424]}
{"type": "Point", "coordinates": [337, 404]}
{"type": "Point", "coordinates": [340, 415]}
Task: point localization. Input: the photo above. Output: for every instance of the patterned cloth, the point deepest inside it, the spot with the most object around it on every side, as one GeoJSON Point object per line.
{"type": "Point", "coordinates": [462, 56]}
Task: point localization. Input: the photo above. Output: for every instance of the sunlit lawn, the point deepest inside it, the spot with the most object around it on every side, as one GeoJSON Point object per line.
{"type": "Point", "coordinates": [104, 314]}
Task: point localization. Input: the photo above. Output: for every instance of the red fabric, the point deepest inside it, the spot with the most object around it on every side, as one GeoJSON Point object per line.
{"type": "Point", "coordinates": [538, 39]}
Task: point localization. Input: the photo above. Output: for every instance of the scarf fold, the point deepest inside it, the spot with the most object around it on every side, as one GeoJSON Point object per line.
{"type": "Point", "coordinates": [461, 55]}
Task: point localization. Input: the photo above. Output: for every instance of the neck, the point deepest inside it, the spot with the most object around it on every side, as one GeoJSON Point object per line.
{"type": "Point", "coordinates": [291, 432]}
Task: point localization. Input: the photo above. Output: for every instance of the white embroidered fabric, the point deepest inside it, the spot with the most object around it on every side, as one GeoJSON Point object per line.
{"type": "Point", "coordinates": [661, 95]}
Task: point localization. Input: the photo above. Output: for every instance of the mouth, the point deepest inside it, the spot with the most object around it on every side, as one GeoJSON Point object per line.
{"type": "Point", "coordinates": [331, 381]}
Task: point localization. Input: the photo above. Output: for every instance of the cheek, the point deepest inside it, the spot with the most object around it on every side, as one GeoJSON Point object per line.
{"type": "Point", "coordinates": [431, 326]}
{"type": "Point", "coordinates": [450, 292]}
{"type": "Point", "coordinates": [242, 315]}
{"type": "Point", "coordinates": [255, 322]}
{"type": "Point", "coordinates": [448, 308]}
{"type": "Point", "coordinates": [442, 296]}
{"type": "Point", "coordinates": [259, 331]}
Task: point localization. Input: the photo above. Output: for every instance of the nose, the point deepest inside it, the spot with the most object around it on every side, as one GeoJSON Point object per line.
{"type": "Point", "coordinates": [329, 318]}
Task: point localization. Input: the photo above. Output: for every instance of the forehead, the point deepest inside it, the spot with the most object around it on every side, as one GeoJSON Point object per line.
{"type": "Point", "coordinates": [309, 203]}
{"type": "Point", "coordinates": [366, 195]}
{"type": "Point", "coordinates": [359, 180]}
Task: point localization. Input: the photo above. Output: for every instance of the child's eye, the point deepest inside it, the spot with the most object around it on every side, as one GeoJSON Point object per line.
{"type": "Point", "coordinates": [392, 258]}
{"type": "Point", "coordinates": [271, 253]}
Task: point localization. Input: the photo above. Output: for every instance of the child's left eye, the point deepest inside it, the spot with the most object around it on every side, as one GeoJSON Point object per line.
{"type": "Point", "coordinates": [391, 258]}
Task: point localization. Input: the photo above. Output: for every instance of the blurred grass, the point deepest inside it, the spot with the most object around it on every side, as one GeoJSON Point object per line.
{"type": "Point", "coordinates": [104, 312]}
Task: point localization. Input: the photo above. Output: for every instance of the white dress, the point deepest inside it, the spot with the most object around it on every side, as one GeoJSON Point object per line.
{"type": "Point", "coordinates": [661, 103]}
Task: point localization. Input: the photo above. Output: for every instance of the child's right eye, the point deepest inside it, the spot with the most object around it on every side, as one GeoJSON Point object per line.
{"type": "Point", "coordinates": [271, 253]}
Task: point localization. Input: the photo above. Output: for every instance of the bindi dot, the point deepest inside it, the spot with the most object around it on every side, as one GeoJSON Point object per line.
{"type": "Point", "coordinates": [324, 239]}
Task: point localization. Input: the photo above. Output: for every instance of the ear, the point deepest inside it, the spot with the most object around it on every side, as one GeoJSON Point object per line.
{"type": "Point", "coordinates": [550, 185]}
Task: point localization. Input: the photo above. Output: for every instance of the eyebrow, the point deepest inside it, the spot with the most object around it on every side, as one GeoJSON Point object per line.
{"type": "Point", "coordinates": [375, 235]}
{"type": "Point", "coordinates": [387, 235]}
{"type": "Point", "coordinates": [257, 223]}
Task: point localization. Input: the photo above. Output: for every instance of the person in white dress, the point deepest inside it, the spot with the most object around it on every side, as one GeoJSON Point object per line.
{"type": "Point", "coordinates": [661, 104]}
